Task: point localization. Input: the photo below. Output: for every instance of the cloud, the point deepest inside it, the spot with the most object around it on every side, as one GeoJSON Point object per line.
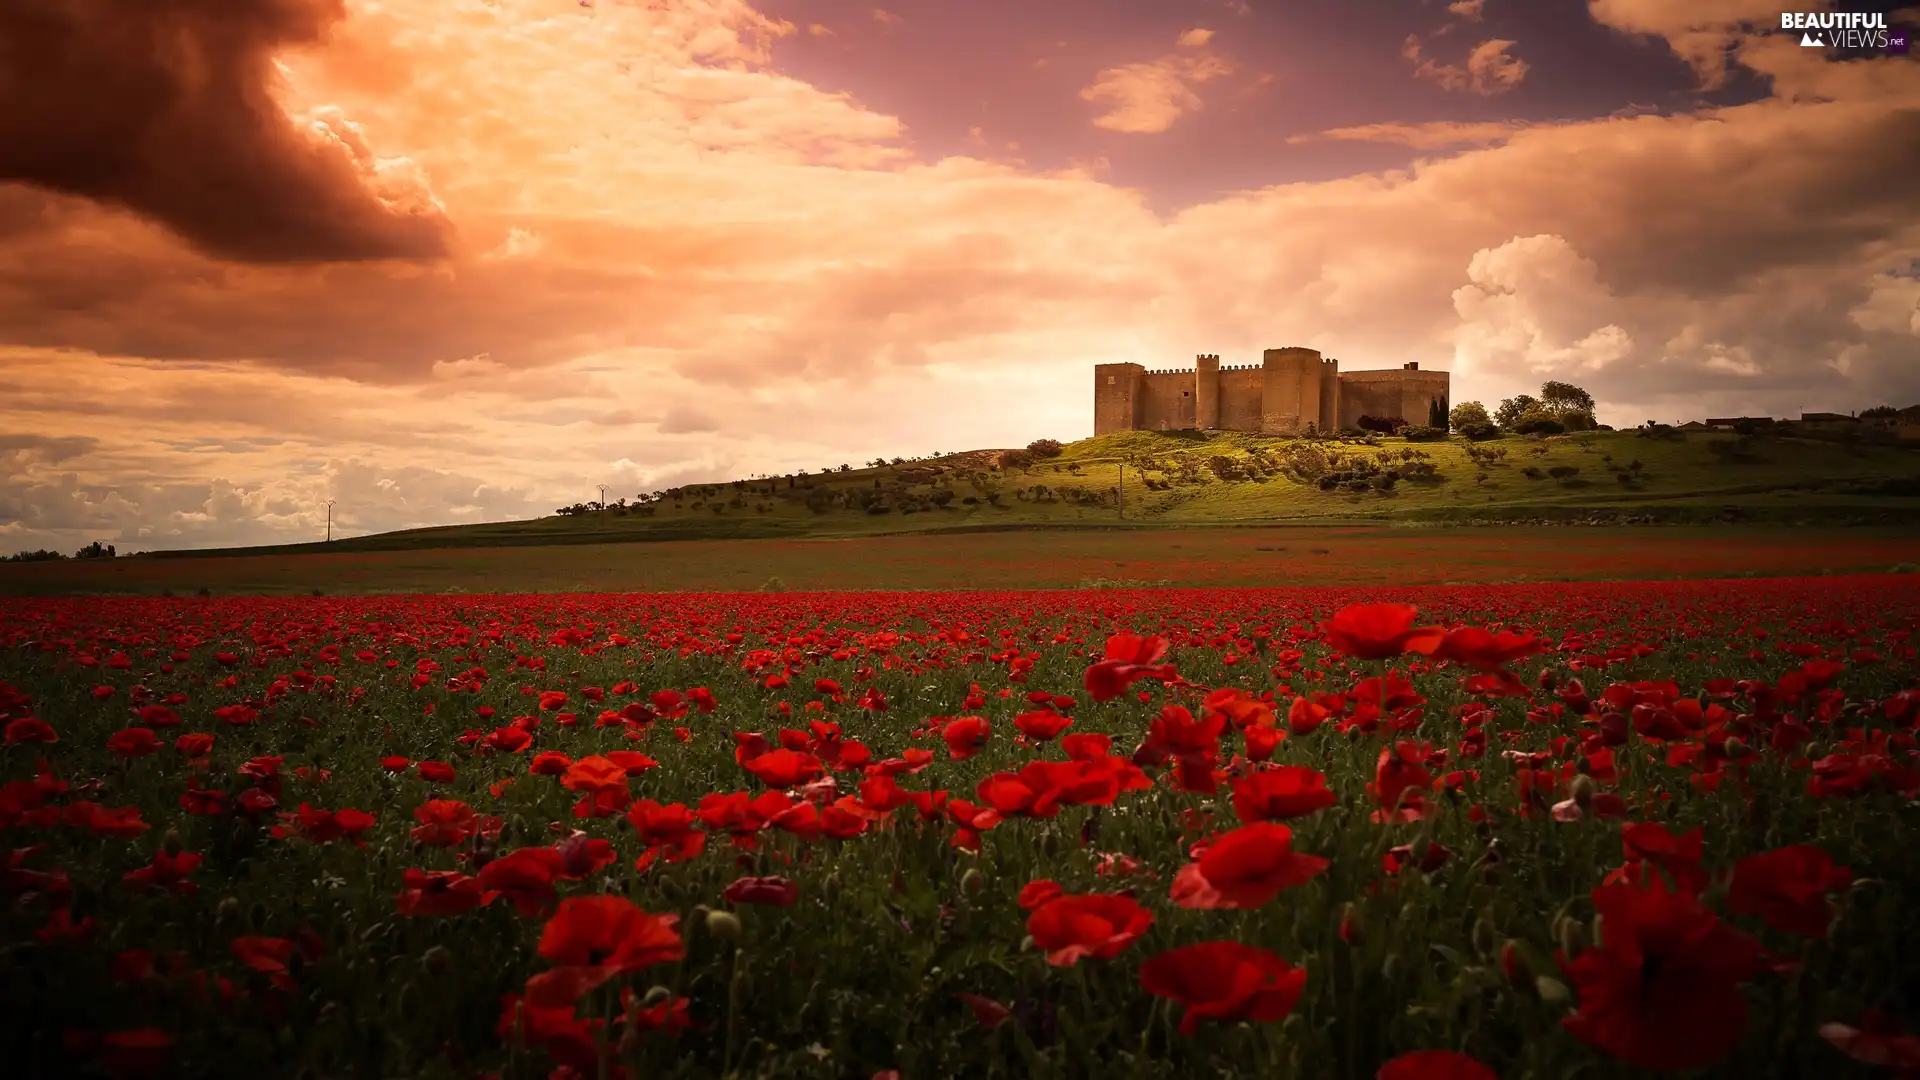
{"type": "Point", "coordinates": [659, 229]}
{"type": "Point", "coordinates": [886, 18]}
{"type": "Point", "coordinates": [1535, 307]}
{"type": "Point", "coordinates": [1467, 10]}
{"type": "Point", "coordinates": [1430, 135]}
{"type": "Point", "coordinates": [682, 420]}
{"type": "Point", "coordinates": [1704, 33]}
{"type": "Point", "coordinates": [1147, 98]}
{"type": "Point", "coordinates": [1489, 70]}
{"type": "Point", "coordinates": [169, 111]}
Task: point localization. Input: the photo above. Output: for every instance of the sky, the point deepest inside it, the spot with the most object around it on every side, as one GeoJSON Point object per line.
{"type": "Point", "coordinates": [443, 261]}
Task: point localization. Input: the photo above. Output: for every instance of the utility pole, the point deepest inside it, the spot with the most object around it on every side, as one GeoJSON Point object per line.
{"type": "Point", "coordinates": [1123, 491]}
{"type": "Point", "coordinates": [603, 496]}
{"type": "Point", "coordinates": [329, 521]}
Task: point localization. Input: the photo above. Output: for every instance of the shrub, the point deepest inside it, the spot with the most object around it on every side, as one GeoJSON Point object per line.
{"type": "Point", "coordinates": [1385, 425]}
{"type": "Point", "coordinates": [1044, 448]}
{"type": "Point", "coordinates": [1423, 433]}
{"type": "Point", "coordinates": [1015, 459]}
{"type": "Point", "coordinates": [1468, 412]}
{"type": "Point", "coordinates": [1575, 419]}
{"type": "Point", "coordinates": [1480, 431]}
{"type": "Point", "coordinates": [1539, 422]}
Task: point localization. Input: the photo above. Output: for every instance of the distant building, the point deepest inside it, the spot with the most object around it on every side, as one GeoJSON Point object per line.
{"type": "Point", "coordinates": [1827, 421]}
{"type": "Point", "coordinates": [1729, 422]}
{"type": "Point", "coordinates": [1289, 392]}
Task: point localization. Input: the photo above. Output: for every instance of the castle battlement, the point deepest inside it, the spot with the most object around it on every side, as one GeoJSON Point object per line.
{"type": "Point", "coordinates": [1295, 390]}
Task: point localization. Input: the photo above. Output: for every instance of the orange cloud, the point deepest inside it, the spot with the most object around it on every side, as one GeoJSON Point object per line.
{"type": "Point", "coordinates": [666, 260]}
{"type": "Point", "coordinates": [1147, 98]}
{"type": "Point", "coordinates": [1489, 69]}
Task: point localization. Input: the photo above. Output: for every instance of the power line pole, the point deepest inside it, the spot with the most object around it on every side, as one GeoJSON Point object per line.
{"type": "Point", "coordinates": [1123, 491]}
{"type": "Point", "coordinates": [329, 521]}
{"type": "Point", "coordinates": [603, 496]}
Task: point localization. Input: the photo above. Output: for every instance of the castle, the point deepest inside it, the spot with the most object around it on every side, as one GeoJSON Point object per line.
{"type": "Point", "coordinates": [1289, 392]}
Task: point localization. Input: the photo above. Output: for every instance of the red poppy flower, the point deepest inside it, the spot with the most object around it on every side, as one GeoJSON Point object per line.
{"type": "Point", "coordinates": [1475, 647]}
{"type": "Point", "coordinates": [594, 774]}
{"type": "Point", "coordinates": [1129, 658]}
{"type": "Point", "coordinates": [549, 763]}
{"type": "Point", "coordinates": [591, 939]}
{"type": "Point", "coordinates": [1096, 925]}
{"type": "Point", "coordinates": [770, 891]}
{"type": "Point", "coordinates": [440, 892]}
{"type": "Point", "coordinates": [1276, 794]}
{"type": "Point", "coordinates": [783, 768]}
{"type": "Point", "coordinates": [30, 729]}
{"type": "Point", "coordinates": [1663, 989]}
{"type": "Point", "coordinates": [966, 736]}
{"type": "Point", "coordinates": [1224, 981]}
{"type": "Point", "coordinates": [132, 743]}
{"type": "Point", "coordinates": [1042, 725]}
{"type": "Point", "coordinates": [444, 823]}
{"type": "Point", "coordinates": [1245, 868]}
{"type": "Point", "coordinates": [1877, 1041]}
{"type": "Point", "coordinates": [436, 772]}
{"type": "Point", "coordinates": [1788, 888]}
{"type": "Point", "coordinates": [1378, 631]}
{"type": "Point", "coordinates": [1435, 1065]}
{"type": "Point", "coordinates": [194, 744]}
{"type": "Point", "coordinates": [525, 877]}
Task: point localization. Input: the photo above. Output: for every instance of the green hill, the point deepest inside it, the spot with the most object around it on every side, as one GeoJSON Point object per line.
{"type": "Point", "coordinates": [1232, 478]}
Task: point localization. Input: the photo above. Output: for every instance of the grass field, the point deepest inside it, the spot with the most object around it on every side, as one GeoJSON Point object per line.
{"type": "Point", "coordinates": [1034, 558]}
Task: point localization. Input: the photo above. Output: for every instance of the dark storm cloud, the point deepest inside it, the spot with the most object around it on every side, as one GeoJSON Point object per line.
{"type": "Point", "coordinates": [164, 107]}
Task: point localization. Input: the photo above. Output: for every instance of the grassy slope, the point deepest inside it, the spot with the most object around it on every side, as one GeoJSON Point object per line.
{"type": "Point", "coordinates": [1788, 480]}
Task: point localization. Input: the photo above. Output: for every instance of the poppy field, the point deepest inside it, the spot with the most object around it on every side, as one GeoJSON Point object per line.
{"type": "Point", "coordinates": [1535, 830]}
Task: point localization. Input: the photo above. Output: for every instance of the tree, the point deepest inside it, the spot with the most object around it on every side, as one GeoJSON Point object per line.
{"type": "Point", "coordinates": [1437, 413]}
{"type": "Point", "coordinates": [1044, 448]}
{"type": "Point", "coordinates": [1467, 412]}
{"type": "Point", "coordinates": [1565, 397]}
{"type": "Point", "coordinates": [1512, 409]}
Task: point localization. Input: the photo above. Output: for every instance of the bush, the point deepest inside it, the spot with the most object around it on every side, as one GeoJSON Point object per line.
{"type": "Point", "coordinates": [1423, 433]}
{"type": "Point", "coordinates": [1480, 431]}
{"type": "Point", "coordinates": [1044, 448]}
{"type": "Point", "coordinates": [1575, 419]}
{"type": "Point", "coordinates": [1539, 422]}
{"type": "Point", "coordinates": [1468, 412]}
{"type": "Point", "coordinates": [1385, 425]}
{"type": "Point", "coordinates": [1015, 459]}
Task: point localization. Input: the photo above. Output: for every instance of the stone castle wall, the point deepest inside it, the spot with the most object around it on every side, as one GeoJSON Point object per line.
{"type": "Point", "coordinates": [1290, 391]}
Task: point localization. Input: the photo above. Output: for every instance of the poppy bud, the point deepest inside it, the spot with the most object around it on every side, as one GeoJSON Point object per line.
{"type": "Point", "coordinates": [229, 908]}
{"type": "Point", "coordinates": [1547, 679]}
{"type": "Point", "coordinates": [437, 960]}
{"type": "Point", "coordinates": [1570, 934]}
{"type": "Point", "coordinates": [724, 925]}
{"type": "Point", "coordinates": [1581, 790]}
{"type": "Point", "coordinates": [1351, 931]}
{"type": "Point", "coordinates": [1598, 941]}
{"type": "Point", "coordinates": [1386, 966]}
{"type": "Point", "coordinates": [1512, 963]}
{"type": "Point", "coordinates": [1735, 747]}
{"type": "Point", "coordinates": [656, 995]}
{"type": "Point", "coordinates": [1484, 936]}
{"type": "Point", "coordinates": [972, 881]}
{"type": "Point", "coordinates": [172, 843]}
{"type": "Point", "coordinates": [1551, 991]}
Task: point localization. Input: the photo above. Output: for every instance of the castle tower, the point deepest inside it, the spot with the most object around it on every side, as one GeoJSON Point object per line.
{"type": "Point", "coordinates": [1118, 395]}
{"type": "Point", "coordinates": [1290, 396]}
{"type": "Point", "coordinates": [1329, 395]}
{"type": "Point", "coordinates": [1206, 391]}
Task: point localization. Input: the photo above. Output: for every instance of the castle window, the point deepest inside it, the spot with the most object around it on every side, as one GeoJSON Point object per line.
{"type": "Point", "coordinates": [1186, 393]}
{"type": "Point", "coordinates": [1109, 380]}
